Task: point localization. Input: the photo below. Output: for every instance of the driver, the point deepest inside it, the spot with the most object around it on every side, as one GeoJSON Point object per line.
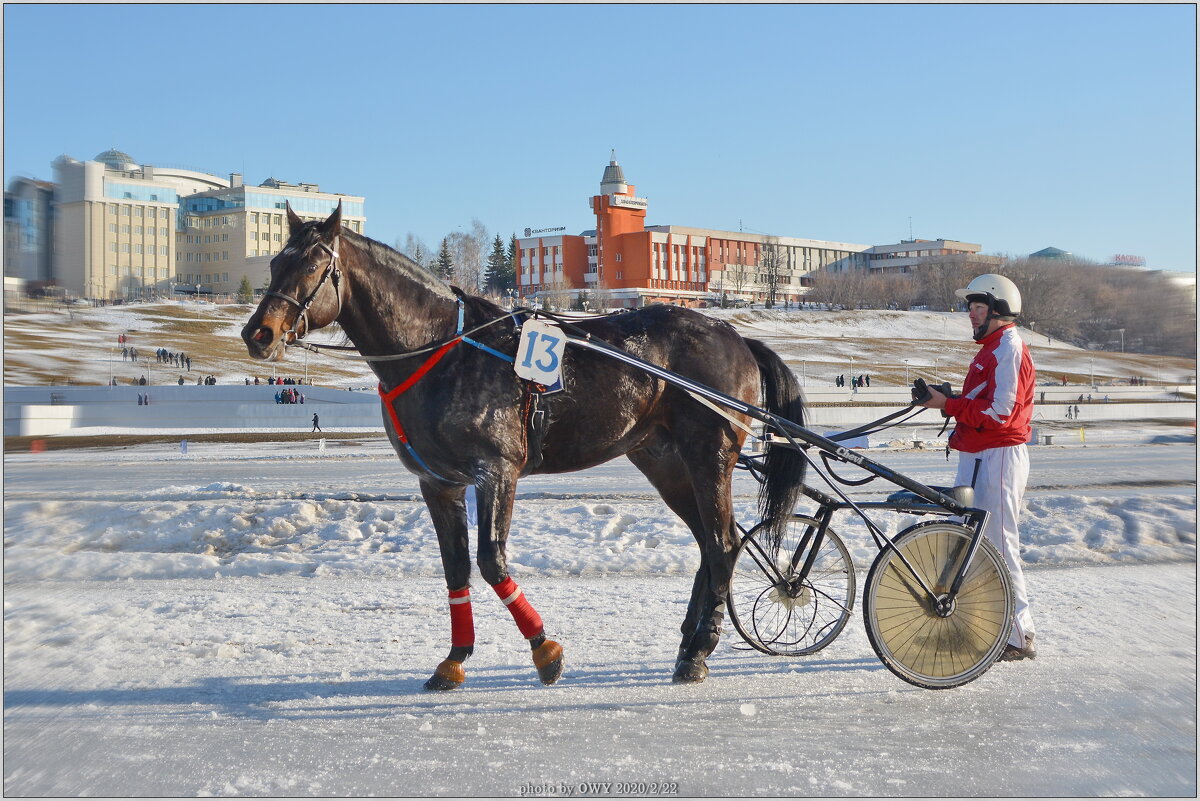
{"type": "Point", "coordinates": [991, 428]}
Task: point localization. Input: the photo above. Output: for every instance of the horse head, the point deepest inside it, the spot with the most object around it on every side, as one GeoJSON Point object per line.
{"type": "Point", "coordinates": [305, 292]}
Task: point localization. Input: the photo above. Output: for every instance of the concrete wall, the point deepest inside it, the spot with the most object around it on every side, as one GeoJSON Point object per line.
{"type": "Point", "coordinates": [36, 411]}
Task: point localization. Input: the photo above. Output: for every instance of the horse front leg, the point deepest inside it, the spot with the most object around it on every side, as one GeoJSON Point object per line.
{"type": "Point", "coordinates": [494, 494]}
{"type": "Point", "coordinates": [448, 511]}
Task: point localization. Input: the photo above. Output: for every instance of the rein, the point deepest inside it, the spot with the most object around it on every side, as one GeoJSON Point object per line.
{"type": "Point", "coordinates": [331, 271]}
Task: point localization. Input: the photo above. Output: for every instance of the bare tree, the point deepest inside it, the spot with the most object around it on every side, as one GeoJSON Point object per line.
{"type": "Point", "coordinates": [416, 250]}
{"type": "Point", "coordinates": [469, 249]}
{"type": "Point", "coordinates": [770, 264]}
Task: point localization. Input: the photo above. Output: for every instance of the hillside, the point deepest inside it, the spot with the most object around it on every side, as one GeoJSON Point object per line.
{"type": "Point", "coordinates": [78, 344]}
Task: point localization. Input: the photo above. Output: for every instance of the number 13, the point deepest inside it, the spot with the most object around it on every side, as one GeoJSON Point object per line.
{"type": "Point", "coordinates": [546, 348]}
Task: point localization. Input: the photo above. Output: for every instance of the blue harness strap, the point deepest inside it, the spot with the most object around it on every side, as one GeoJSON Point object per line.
{"type": "Point", "coordinates": [475, 344]}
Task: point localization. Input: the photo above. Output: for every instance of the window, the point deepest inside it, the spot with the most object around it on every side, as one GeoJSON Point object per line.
{"type": "Point", "coordinates": [125, 248]}
{"type": "Point", "coordinates": [278, 238]}
{"type": "Point", "coordinates": [254, 235]}
{"type": "Point", "coordinates": [125, 211]}
{"type": "Point", "coordinates": [112, 228]}
{"type": "Point", "coordinates": [137, 229]}
{"type": "Point", "coordinates": [162, 231]}
{"type": "Point", "coordinates": [112, 208]}
{"type": "Point", "coordinates": [139, 212]}
{"type": "Point", "coordinates": [112, 269]}
{"type": "Point", "coordinates": [137, 249]}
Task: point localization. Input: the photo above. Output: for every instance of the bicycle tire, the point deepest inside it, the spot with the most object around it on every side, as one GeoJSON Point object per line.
{"type": "Point", "coordinates": [915, 642]}
{"type": "Point", "coordinates": [777, 614]}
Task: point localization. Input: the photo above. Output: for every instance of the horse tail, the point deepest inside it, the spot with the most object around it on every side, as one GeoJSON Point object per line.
{"type": "Point", "coordinates": [784, 467]}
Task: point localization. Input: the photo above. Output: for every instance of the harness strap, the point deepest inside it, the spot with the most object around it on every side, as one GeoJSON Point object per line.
{"type": "Point", "coordinates": [389, 401]}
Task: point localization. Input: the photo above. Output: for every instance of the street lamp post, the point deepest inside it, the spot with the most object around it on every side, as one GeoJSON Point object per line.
{"type": "Point", "coordinates": [851, 371]}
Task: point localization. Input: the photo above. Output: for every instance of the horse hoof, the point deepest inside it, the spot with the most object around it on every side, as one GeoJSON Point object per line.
{"type": "Point", "coordinates": [689, 672]}
{"type": "Point", "coordinates": [548, 657]}
{"type": "Point", "coordinates": [449, 675]}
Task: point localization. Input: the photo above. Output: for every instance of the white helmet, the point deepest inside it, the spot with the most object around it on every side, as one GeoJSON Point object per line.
{"type": "Point", "coordinates": [1000, 294]}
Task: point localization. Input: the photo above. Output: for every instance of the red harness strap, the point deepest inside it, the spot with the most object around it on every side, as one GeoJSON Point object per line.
{"type": "Point", "coordinates": [389, 397]}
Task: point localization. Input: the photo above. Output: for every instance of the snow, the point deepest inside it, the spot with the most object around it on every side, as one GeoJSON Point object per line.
{"type": "Point", "coordinates": [259, 619]}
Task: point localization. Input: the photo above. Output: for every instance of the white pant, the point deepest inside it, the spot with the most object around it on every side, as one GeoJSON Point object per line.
{"type": "Point", "coordinates": [999, 489]}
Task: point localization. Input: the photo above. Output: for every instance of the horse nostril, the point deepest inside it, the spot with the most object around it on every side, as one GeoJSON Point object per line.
{"type": "Point", "coordinates": [260, 334]}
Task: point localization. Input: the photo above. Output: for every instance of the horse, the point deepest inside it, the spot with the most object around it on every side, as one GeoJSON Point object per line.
{"type": "Point", "coordinates": [458, 416]}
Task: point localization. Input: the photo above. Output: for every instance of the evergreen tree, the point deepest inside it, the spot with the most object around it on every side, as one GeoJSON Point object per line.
{"type": "Point", "coordinates": [510, 266]}
{"type": "Point", "coordinates": [245, 291]}
{"type": "Point", "coordinates": [444, 264]}
{"type": "Point", "coordinates": [493, 281]}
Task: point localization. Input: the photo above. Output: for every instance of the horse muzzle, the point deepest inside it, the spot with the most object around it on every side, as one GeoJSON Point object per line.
{"type": "Point", "coordinates": [263, 342]}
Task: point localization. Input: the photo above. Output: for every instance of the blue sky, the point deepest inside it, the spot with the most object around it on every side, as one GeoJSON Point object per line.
{"type": "Point", "coordinates": [1013, 126]}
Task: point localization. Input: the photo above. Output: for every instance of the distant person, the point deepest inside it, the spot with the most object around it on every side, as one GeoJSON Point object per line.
{"type": "Point", "coordinates": [181, 381]}
{"type": "Point", "coordinates": [991, 431]}
{"type": "Point", "coordinates": [316, 422]}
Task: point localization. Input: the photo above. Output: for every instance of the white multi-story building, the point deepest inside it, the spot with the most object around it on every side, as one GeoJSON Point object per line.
{"type": "Point", "coordinates": [225, 234]}
{"type": "Point", "coordinates": [125, 230]}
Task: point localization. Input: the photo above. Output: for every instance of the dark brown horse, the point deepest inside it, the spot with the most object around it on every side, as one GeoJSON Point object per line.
{"type": "Point", "coordinates": [459, 416]}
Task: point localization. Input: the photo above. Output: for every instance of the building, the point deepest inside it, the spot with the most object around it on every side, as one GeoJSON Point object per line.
{"type": "Point", "coordinates": [235, 231]}
{"type": "Point", "coordinates": [625, 263]}
{"type": "Point", "coordinates": [912, 254]}
{"type": "Point", "coordinates": [29, 231]}
{"type": "Point", "coordinates": [122, 230]}
{"type": "Point", "coordinates": [1051, 253]}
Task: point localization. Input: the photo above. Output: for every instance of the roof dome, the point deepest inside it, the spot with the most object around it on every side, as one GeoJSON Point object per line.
{"type": "Point", "coordinates": [116, 160]}
{"type": "Point", "coordinates": [614, 178]}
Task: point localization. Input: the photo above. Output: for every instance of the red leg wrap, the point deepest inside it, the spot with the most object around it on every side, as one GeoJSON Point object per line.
{"type": "Point", "coordinates": [462, 622]}
{"type": "Point", "coordinates": [528, 620]}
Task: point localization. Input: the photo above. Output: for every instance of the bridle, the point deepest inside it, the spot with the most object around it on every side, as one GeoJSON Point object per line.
{"type": "Point", "coordinates": [331, 271]}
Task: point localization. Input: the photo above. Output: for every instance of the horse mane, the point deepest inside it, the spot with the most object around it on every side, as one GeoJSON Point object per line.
{"type": "Point", "coordinates": [388, 258]}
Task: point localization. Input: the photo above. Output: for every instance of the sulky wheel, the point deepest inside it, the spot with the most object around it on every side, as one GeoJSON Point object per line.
{"type": "Point", "coordinates": [776, 610]}
{"type": "Point", "coordinates": [921, 644]}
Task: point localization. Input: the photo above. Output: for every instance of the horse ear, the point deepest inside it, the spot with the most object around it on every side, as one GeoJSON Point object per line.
{"type": "Point", "coordinates": [294, 221]}
{"type": "Point", "coordinates": [333, 226]}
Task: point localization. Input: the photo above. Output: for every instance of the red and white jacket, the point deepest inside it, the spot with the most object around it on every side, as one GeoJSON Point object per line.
{"type": "Point", "coordinates": [996, 403]}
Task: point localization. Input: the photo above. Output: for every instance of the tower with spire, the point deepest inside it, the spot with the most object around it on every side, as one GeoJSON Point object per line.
{"type": "Point", "coordinates": [618, 212]}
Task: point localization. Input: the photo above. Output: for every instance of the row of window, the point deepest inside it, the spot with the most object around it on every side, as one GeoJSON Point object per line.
{"type": "Point", "coordinates": [201, 278]}
{"type": "Point", "coordinates": [137, 211]}
{"type": "Point", "coordinates": [125, 247]}
{"type": "Point", "coordinates": [137, 229]}
{"type": "Point", "coordinates": [147, 273]}
{"type": "Point", "coordinates": [222, 256]}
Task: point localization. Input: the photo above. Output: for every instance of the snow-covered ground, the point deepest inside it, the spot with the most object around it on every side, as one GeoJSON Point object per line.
{"type": "Point", "coordinates": [259, 620]}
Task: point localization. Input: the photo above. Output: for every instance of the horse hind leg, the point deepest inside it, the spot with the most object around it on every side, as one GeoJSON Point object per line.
{"type": "Point", "coordinates": [701, 628]}
{"type": "Point", "coordinates": [495, 496]}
